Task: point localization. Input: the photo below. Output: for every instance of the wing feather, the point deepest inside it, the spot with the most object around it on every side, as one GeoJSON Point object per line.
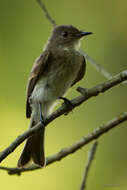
{"type": "Point", "coordinates": [37, 71]}
{"type": "Point", "coordinates": [81, 72]}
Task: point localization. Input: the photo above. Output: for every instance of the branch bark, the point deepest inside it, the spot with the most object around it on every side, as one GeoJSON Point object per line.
{"type": "Point", "coordinates": [76, 146]}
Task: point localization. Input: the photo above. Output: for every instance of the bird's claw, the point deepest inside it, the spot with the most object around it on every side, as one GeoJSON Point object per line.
{"type": "Point", "coordinates": [41, 116]}
{"type": "Point", "coordinates": [68, 103]}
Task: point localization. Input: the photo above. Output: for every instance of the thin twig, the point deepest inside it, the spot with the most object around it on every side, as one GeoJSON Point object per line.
{"type": "Point", "coordinates": [64, 109]}
{"type": "Point", "coordinates": [99, 67]}
{"type": "Point", "coordinates": [98, 132]}
{"type": "Point", "coordinates": [91, 155]}
{"type": "Point", "coordinates": [47, 15]}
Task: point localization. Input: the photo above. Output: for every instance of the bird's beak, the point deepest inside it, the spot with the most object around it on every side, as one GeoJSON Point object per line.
{"type": "Point", "coordinates": [81, 34]}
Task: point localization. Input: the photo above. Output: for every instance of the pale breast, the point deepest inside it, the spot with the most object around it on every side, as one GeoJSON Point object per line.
{"type": "Point", "coordinates": [57, 79]}
{"type": "Point", "coordinates": [63, 72]}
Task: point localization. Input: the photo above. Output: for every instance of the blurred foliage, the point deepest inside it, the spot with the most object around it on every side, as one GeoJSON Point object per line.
{"type": "Point", "coordinates": [23, 33]}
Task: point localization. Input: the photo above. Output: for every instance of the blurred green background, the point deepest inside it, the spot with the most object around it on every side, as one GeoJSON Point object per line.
{"type": "Point", "coordinates": [23, 33]}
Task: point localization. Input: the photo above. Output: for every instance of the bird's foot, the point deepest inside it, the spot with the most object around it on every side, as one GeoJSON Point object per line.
{"type": "Point", "coordinates": [68, 103]}
{"type": "Point", "coordinates": [42, 120]}
{"type": "Point", "coordinates": [41, 116]}
{"type": "Point", "coordinates": [82, 91]}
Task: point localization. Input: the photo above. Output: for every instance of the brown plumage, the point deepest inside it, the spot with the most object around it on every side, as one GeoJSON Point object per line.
{"type": "Point", "coordinates": [58, 68]}
{"type": "Point", "coordinates": [36, 72]}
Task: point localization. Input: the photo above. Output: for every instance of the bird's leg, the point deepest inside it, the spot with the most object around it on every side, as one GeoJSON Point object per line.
{"type": "Point", "coordinates": [41, 116]}
{"type": "Point", "coordinates": [68, 103]}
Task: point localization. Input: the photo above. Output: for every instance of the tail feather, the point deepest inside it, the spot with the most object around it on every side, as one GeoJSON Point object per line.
{"type": "Point", "coordinates": [33, 149]}
{"type": "Point", "coordinates": [37, 152]}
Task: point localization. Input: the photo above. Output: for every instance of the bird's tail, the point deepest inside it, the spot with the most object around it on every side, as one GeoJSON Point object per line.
{"type": "Point", "coordinates": [33, 149]}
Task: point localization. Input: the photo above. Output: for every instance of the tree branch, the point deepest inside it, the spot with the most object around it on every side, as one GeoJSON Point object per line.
{"type": "Point", "coordinates": [91, 155]}
{"type": "Point", "coordinates": [76, 146]}
{"type": "Point", "coordinates": [99, 67]}
{"type": "Point", "coordinates": [47, 15]}
{"type": "Point", "coordinates": [86, 94]}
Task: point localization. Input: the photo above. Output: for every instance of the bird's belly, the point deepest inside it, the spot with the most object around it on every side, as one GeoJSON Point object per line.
{"type": "Point", "coordinates": [48, 90]}
{"type": "Point", "coordinates": [61, 79]}
{"type": "Point", "coordinates": [55, 82]}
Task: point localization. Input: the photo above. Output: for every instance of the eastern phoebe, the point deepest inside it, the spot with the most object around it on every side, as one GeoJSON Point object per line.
{"type": "Point", "coordinates": [58, 68]}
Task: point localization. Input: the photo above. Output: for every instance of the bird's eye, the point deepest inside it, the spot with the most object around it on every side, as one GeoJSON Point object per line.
{"type": "Point", "coordinates": [65, 34]}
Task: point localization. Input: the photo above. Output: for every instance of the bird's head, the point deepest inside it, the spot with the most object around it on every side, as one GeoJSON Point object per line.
{"type": "Point", "coordinates": [66, 36]}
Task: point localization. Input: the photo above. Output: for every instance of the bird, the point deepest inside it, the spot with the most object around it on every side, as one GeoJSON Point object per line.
{"type": "Point", "coordinates": [60, 66]}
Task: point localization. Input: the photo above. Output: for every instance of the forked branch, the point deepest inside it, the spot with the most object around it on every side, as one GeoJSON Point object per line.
{"type": "Point", "coordinates": [73, 148]}
{"type": "Point", "coordinates": [86, 94]}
